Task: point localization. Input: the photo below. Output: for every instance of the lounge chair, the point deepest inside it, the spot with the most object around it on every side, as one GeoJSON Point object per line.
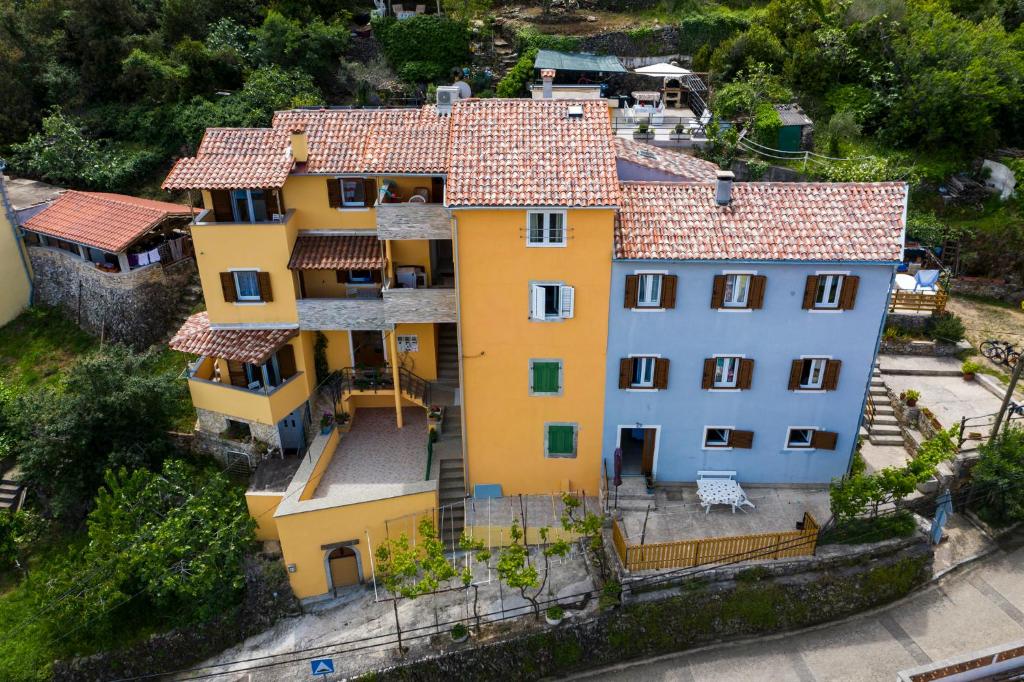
{"type": "Point", "coordinates": [927, 280]}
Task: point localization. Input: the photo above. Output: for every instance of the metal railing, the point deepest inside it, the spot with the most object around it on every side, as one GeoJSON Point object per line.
{"type": "Point", "coordinates": [348, 380]}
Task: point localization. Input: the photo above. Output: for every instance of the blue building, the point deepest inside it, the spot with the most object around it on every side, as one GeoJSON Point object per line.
{"type": "Point", "coordinates": [744, 324]}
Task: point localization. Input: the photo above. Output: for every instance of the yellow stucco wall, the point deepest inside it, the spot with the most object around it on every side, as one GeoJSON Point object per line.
{"type": "Point", "coordinates": [422, 363]}
{"type": "Point", "coordinates": [303, 534]}
{"type": "Point", "coordinates": [505, 425]}
{"type": "Point", "coordinates": [14, 281]}
{"type": "Point", "coordinates": [411, 252]}
{"type": "Point", "coordinates": [308, 196]}
{"type": "Point", "coordinates": [262, 506]}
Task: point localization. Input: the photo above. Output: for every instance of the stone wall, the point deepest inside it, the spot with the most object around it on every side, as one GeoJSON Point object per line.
{"type": "Point", "coordinates": [137, 308]}
{"type": "Point", "coordinates": [989, 288]}
{"type": "Point", "coordinates": [752, 601]}
{"type": "Point", "coordinates": [208, 441]}
{"type": "Point", "coordinates": [914, 347]}
{"type": "Point", "coordinates": [660, 40]}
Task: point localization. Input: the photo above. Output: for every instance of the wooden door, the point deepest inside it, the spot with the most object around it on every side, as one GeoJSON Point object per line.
{"type": "Point", "coordinates": [647, 462]}
{"type": "Point", "coordinates": [344, 570]}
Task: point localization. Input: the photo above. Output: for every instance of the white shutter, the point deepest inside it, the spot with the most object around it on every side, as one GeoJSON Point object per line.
{"type": "Point", "coordinates": [568, 301]}
{"type": "Point", "coordinates": [537, 303]}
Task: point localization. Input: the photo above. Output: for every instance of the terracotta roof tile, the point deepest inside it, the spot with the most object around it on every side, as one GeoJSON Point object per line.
{"type": "Point", "coordinates": [234, 158]}
{"type": "Point", "coordinates": [520, 152]}
{"type": "Point", "coordinates": [687, 168]}
{"type": "Point", "coordinates": [109, 222]}
{"type": "Point", "coordinates": [242, 345]}
{"type": "Point", "coordinates": [336, 253]}
{"type": "Point", "coordinates": [764, 221]}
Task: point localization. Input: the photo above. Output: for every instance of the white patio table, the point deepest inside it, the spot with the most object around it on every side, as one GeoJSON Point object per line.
{"type": "Point", "coordinates": [721, 490]}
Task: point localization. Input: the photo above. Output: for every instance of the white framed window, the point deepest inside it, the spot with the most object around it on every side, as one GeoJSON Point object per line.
{"type": "Point", "coordinates": [727, 371]}
{"type": "Point", "coordinates": [648, 294]}
{"type": "Point", "coordinates": [800, 438]}
{"type": "Point", "coordinates": [812, 375]}
{"type": "Point", "coordinates": [716, 437]}
{"type": "Point", "coordinates": [737, 291]}
{"type": "Point", "coordinates": [545, 228]}
{"type": "Point", "coordinates": [829, 290]}
{"type": "Point", "coordinates": [643, 372]}
{"type": "Point", "coordinates": [353, 192]}
{"type": "Point", "coordinates": [551, 301]}
{"type": "Point", "coordinates": [248, 205]}
{"type": "Point", "coordinates": [247, 285]}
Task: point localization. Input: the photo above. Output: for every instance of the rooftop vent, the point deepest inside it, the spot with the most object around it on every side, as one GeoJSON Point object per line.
{"type": "Point", "coordinates": [575, 111]}
{"type": "Point", "coordinates": [723, 188]}
{"type": "Point", "coordinates": [646, 153]}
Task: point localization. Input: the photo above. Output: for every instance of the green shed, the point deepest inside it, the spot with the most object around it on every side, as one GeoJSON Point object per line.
{"type": "Point", "coordinates": [796, 130]}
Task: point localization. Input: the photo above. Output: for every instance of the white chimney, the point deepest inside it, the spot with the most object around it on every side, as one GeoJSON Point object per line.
{"type": "Point", "coordinates": [723, 189]}
{"type": "Point", "coordinates": [547, 76]}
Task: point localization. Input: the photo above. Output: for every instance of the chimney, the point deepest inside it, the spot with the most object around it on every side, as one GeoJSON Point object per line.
{"type": "Point", "coordinates": [723, 188]}
{"type": "Point", "coordinates": [300, 145]}
{"type": "Point", "coordinates": [547, 76]}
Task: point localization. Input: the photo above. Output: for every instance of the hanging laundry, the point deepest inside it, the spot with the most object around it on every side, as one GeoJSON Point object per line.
{"type": "Point", "coordinates": [154, 256]}
{"type": "Point", "coordinates": [133, 260]}
{"type": "Point", "coordinates": [143, 259]}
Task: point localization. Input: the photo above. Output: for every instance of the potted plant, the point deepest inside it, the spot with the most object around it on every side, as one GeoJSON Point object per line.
{"type": "Point", "coordinates": [911, 397]}
{"type": "Point", "coordinates": [679, 133]}
{"type": "Point", "coordinates": [969, 369]}
{"type": "Point", "coordinates": [460, 633]}
{"type": "Point", "coordinates": [649, 480]}
{"type": "Point", "coordinates": [342, 419]}
{"type": "Point", "coordinates": [554, 614]}
{"type": "Point", "coordinates": [435, 415]}
{"type": "Point", "coordinates": [326, 423]}
{"type": "Point", "coordinates": [643, 131]}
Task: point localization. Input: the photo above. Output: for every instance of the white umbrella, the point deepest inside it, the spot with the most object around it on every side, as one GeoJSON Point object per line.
{"type": "Point", "coordinates": [663, 70]}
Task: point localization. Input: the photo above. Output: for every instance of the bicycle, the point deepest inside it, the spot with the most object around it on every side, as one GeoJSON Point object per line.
{"type": "Point", "coordinates": [1000, 352]}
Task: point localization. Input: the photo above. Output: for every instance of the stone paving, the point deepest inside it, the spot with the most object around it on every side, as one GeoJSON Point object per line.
{"type": "Point", "coordinates": [949, 397]}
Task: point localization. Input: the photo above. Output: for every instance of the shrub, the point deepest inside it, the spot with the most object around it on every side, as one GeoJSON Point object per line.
{"type": "Point", "coordinates": [437, 43]}
{"type": "Point", "coordinates": [945, 327]}
{"type": "Point", "coordinates": [755, 45]}
{"type": "Point", "coordinates": [515, 81]}
{"type": "Point", "coordinates": [767, 123]}
{"type": "Point", "coordinates": [707, 29]}
{"type": "Point", "coordinates": [459, 631]}
{"type": "Point", "coordinates": [756, 169]}
{"type": "Point", "coordinates": [555, 612]}
{"type": "Point", "coordinates": [998, 476]}
{"type": "Point", "coordinates": [531, 39]}
{"type": "Point", "coordinates": [970, 367]}
{"type": "Point", "coordinates": [862, 531]}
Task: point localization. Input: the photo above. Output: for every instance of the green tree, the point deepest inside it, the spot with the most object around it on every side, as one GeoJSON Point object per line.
{"type": "Point", "coordinates": [513, 84]}
{"type": "Point", "coordinates": [313, 47]}
{"type": "Point", "coordinates": [999, 478]}
{"type": "Point", "coordinates": [425, 45]}
{"type": "Point", "coordinates": [476, 549]}
{"type": "Point", "coordinates": [515, 569]}
{"type": "Point", "coordinates": [18, 531]}
{"type": "Point", "coordinates": [755, 45]}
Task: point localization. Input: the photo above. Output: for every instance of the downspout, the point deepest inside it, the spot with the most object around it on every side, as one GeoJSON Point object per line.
{"type": "Point", "coordinates": [458, 336]}
{"type": "Point", "coordinates": [12, 217]}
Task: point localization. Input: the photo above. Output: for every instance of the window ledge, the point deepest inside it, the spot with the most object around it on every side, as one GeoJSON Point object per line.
{"type": "Point", "coordinates": [645, 309]}
{"type": "Point", "coordinates": [638, 389]}
{"type": "Point", "coordinates": [809, 390]}
{"type": "Point", "coordinates": [723, 390]}
{"type": "Point", "coordinates": [799, 449]}
{"type": "Point", "coordinates": [546, 246]}
{"type": "Point", "coordinates": [716, 448]}
{"type": "Point", "coordinates": [826, 310]}
{"type": "Point", "coordinates": [735, 310]}
{"type": "Point", "coordinates": [249, 303]}
{"type": "Point", "coordinates": [353, 209]}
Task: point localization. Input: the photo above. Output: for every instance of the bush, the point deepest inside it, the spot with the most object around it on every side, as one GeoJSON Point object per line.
{"type": "Point", "coordinates": [708, 30]}
{"type": "Point", "coordinates": [755, 45]}
{"type": "Point", "coordinates": [515, 81]}
{"type": "Point", "coordinates": [530, 38]}
{"type": "Point", "coordinates": [945, 327]}
{"type": "Point", "coordinates": [970, 367]}
{"type": "Point", "coordinates": [861, 531]}
{"type": "Point", "coordinates": [998, 478]}
{"type": "Point", "coordinates": [426, 39]}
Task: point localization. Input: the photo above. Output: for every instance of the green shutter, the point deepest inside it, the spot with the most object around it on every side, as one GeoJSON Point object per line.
{"type": "Point", "coordinates": [560, 440]}
{"type": "Point", "coordinates": [545, 377]}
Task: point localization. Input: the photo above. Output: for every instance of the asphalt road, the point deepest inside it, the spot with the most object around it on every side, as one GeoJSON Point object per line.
{"type": "Point", "coordinates": [978, 606]}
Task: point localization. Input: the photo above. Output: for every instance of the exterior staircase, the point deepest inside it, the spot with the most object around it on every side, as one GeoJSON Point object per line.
{"type": "Point", "coordinates": [12, 495]}
{"type": "Point", "coordinates": [632, 495]}
{"type": "Point", "coordinates": [883, 428]}
{"type": "Point", "coordinates": [191, 298]}
{"type": "Point", "coordinates": [447, 355]}
{"type": "Point", "coordinates": [451, 483]}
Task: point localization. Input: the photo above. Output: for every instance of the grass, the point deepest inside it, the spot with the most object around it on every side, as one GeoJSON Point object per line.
{"type": "Point", "coordinates": [862, 531]}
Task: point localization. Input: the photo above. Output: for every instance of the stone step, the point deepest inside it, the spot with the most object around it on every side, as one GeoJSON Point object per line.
{"type": "Point", "coordinates": [879, 392]}
{"type": "Point", "coordinates": [886, 440]}
{"type": "Point", "coordinates": [885, 430]}
{"type": "Point", "coordinates": [885, 420]}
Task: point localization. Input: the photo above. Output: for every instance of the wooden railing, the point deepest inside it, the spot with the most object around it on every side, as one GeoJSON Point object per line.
{"type": "Point", "coordinates": [918, 302]}
{"type": "Point", "coordinates": [689, 553]}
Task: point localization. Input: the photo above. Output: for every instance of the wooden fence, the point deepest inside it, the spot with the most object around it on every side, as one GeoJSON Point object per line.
{"type": "Point", "coordinates": [689, 553]}
{"type": "Point", "coordinates": [918, 302]}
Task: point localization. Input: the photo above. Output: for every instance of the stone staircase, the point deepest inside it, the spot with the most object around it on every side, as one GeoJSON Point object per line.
{"type": "Point", "coordinates": [12, 492]}
{"type": "Point", "coordinates": [191, 297]}
{"type": "Point", "coordinates": [885, 429]}
{"type": "Point", "coordinates": [447, 355]}
{"type": "Point", "coordinates": [632, 495]}
{"type": "Point", "coordinates": [451, 483]}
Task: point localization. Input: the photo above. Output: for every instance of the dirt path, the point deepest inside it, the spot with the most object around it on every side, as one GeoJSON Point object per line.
{"type": "Point", "coordinates": [989, 321]}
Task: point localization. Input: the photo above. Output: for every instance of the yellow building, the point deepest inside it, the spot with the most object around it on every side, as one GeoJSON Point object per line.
{"type": "Point", "coordinates": [396, 271]}
{"type": "Point", "coordinates": [18, 199]}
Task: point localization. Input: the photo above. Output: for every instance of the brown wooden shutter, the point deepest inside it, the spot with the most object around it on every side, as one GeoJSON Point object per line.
{"type": "Point", "coordinates": [661, 373]}
{"type": "Point", "coordinates": [266, 292]}
{"type": "Point", "coordinates": [221, 199]}
{"type": "Point", "coordinates": [755, 300]}
{"type": "Point", "coordinates": [831, 381]}
{"type": "Point", "coordinates": [625, 372]}
{"type": "Point", "coordinates": [286, 361]}
{"type": "Point", "coordinates": [236, 373]}
{"type": "Point", "coordinates": [370, 192]}
{"type": "Point", "coordinates": [273, 205]}
{"type": "Point", "coordinates": [708, 380]}
{"type": "Point", "coordinates": [718, 292]}
{"type": "Point", "coordinates": [824, 440]}
{"type": "Point", "coordinates": [848, 296]}
{"type": "Point", "coordinates": [227, 284]}
{"type": "Point", "coordinates": [810, 291]}
{"type": "Point", "coordinates": [741, 439]}
{"type": "Point", "coordinates": [341, 276]}
{"type": "Point", "coordinates": [746, 376]}
{"type": "Point", "coordinates": [632, 291]}
{"type": "Point", "coordinates": [668, 291]}
{"type": "Point", "coordinates": [334, 193]}
{"type": "Point", "coordinates": [796, 370]}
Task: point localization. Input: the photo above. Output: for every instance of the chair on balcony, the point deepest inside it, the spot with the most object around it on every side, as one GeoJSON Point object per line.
{"type": "Point", "coordinates": [927, 280]}
{"type": "Point", "coordinates": [420, 195]}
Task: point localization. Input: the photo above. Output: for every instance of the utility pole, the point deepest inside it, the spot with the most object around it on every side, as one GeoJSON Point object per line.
{"type": "Point", "coordinates": [1014, 378]}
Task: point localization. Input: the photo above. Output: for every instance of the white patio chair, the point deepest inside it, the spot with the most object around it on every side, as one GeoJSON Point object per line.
{"type": "Point", "coordinates": [927, 280]}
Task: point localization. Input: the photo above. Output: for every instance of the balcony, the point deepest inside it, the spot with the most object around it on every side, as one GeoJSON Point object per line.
{"type": "Point", "coordinates": [412, 220]}
{"type": "Point", "coordinates": [331, 314]}
{"type": "Point", "coordinates": [207, 218]}
{"type": "Point", "coordinates": [420, 304]}
{"type": "Point", "coordinates": [263, 404]}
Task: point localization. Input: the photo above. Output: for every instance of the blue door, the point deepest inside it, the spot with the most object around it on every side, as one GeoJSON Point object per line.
{"type": "Point", "coordinates": [292, 430]}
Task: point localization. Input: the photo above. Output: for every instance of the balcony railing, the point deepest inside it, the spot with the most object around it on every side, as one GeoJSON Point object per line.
{"type": "Point", "coordinates": [421, 304]}
{"type": "Point", "coordinates": [413, 221]}
{"type": "Point", "coordinates": [343, 382]}
{"type": "Point", "coordinates": [206, 217]}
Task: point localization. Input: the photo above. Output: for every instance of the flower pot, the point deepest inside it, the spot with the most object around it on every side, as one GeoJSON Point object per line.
{"type": "Point", "coordinates": [459, 640]}
{"type": "Point", "coordinates": [324, 430]}
{"type": "Point", "coordinates": [637, 135]}
{"type": "Point", "coordinates": [678, 137]}
{"type": "Point", "coordinates": [911, 402]}
{"type": "Point", "coordinates": [968, 376]}
{"type": "Point", "coordinates": [552, 621]}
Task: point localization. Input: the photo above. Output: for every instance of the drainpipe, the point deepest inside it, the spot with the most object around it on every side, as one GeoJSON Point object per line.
{"type": "Point", "coordinates": [12, 217]}
{"type": "Point", "coordinates": [458, 336]}
{"type": "Point", "coordinates": [395, 374]}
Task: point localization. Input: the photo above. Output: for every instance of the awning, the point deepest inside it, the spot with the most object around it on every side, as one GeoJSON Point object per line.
{"type": "Point", "coordinates": [663, 70]}
{"type": "Point", "coordinates": [254, 346]}
{"type": "Point", "coordinates": [336, 252]}
{"type": "Point", "coordinates": [578, 61]}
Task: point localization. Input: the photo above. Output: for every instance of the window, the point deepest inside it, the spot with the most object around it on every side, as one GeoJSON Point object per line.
{"type": "Point", "coordinates": [559, 440]}
{"type": "Point", "coordinates": [726, 372]}
{"type": "Point", "coordinates": [812, 372]}
{"type": "Point", "coordinates": [551, 301]}
{"type": "Point", "coordinates": [353, 192]}
{"type": "Point", "coordinates": [737, 290]}
{"type": "Point", "coordinates": [360, 276]}
{"type": "Point", "coordinates": [829, 288]}
{"type": "Point", "coordinates": [799, 438]}
{"type": "Point", "coordinates": [545, 377]}
{"type": "Point", "coordinates": [247, 285]}
{"type": "Point", "coordinates": [648, 290]}
{"type": "Point", "coordinates": [546, 228]}
{"type": "Point", "coordinates": [643, 373]}
{"type": "Point", "coordinates": [248, 205]}
{"type": "Point", "coordinates": [716, 437]}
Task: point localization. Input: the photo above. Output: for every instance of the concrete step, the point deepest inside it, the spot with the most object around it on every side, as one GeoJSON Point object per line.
{"type": "Point", "coordinates": [885, 430]}
{"type": "Point", "coordinates": [885, 440]}
{"type": "Point", "coordinates": [885, 420]}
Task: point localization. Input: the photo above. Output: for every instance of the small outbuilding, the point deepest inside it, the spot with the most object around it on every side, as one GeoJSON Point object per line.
{"type": "Point", "coordinates": [797, 128]}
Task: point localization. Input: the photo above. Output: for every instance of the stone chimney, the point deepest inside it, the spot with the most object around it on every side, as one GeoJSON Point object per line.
{"type": "Point", "coordinates": [300, 144]}
{"type": "Point", "coordinates": [547, 76]}
{"type": "Point", "coordinates": [723, 188]}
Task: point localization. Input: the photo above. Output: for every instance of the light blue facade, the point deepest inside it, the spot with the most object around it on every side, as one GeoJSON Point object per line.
{"type": "Point", "coordinates": [773, 336]}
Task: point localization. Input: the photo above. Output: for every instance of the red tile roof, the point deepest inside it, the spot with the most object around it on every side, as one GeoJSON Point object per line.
{"type": "Point", "coordinates": [520, 152]}
{"type": "Point", "coordinates": [336, 253]}
{"type": "Point", "coordinates": [764, 221]}
{"type": "Point", "coordinates": [242, 345]}
{"type": "Point", "coordinates": [235, 158]}
{"type": "Point", "coordinates": [687, 168]}
{"type": "Point", "coordinates": [109, 222]}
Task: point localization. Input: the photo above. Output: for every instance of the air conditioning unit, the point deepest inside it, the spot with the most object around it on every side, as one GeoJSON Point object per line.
{"type": "Point", "coordinates": [446, 96]}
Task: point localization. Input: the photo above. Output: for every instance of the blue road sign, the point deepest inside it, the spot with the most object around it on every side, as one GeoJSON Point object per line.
{"type": "Point", "coordinates": [322, 666]}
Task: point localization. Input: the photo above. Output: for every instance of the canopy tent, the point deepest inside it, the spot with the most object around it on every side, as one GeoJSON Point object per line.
{"type": "Point", "coordinates": [578, 61]}
{"type": "Point", "coordinates": [663, 70]}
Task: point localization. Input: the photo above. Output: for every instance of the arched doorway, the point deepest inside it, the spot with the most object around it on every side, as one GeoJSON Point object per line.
{"type": "Point", "coordinates": [342, 568]}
